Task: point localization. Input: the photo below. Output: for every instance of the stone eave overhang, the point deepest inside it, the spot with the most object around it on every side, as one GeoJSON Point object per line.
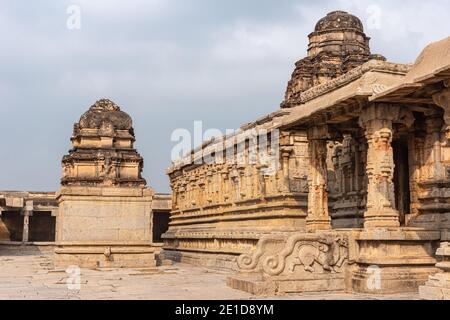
{"type": "Point", "coordinates": [29, 194]}
{"type": "Point", "coordinates": [351, 76]}
{"type": "Point", "coordinates": [42, 201]}
{"type": "Point", "coordinates": [331, 101]}
{"type": "Point", "coordinates": [418, 91]}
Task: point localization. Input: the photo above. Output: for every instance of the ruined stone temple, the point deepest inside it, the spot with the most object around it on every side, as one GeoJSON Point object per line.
{"type": "Point", "coordinates": [347, 189]}
{"type": "Point", "coordinates": [104, 215]}
{"type": "Point", "coordinates": [360, 200]}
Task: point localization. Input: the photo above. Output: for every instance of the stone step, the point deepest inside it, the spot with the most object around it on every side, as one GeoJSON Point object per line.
{"type": "Point", "coordinates": [251, 283]}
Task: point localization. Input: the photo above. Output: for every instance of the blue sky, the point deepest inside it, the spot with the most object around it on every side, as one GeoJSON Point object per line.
{"type": "Point", "coordinates": [167, 63]}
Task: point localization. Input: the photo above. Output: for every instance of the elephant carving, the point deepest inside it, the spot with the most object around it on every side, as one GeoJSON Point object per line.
{"type": "Point", "coordinates": [308, 250]}
{"type": "Point", "coordinates": [330, 256]}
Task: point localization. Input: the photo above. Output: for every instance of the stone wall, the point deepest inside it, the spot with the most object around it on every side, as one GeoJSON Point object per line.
{"type": "Point", "coordinates": [224, 208]}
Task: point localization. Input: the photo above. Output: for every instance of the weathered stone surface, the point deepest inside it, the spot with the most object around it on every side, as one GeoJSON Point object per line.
{"type": "Point", "coordinates": [438, 285]}
{"type": "Point", "coordinates": [337, 45]}
{"type": "Point", "coordinates": [103, 153]}
{"type": "Point", "coordinates": [376, 171]}
{"type": "Point", "coordinates": [105, 210]}
{"type": "Point", "coordinates": [222, 209]}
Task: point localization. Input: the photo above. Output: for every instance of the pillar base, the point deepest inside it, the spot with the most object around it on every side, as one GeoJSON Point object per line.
{"type": "Point", "coordinates": [385, 218]}
{"type": "Point", "coordinates": [438, 285]}
{"type": "Point", "coordinates": [391, 261]}
{"type": "Point", "coordinates": [318, 225]}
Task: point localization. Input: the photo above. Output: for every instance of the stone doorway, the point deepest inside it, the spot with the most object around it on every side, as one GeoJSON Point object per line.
{"type": "Point", "coordinates": [401, 178]}
{"type": "Point", "coordinates": [160, 225]}
{"type": "Point", "coordinates": [42, 227]}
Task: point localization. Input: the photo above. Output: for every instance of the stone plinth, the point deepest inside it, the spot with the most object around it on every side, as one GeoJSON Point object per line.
{"type": "Point", "coordinates": [105, 255]}
{"type": "Point", "coordinates": [104, 227]}
{"type": "Point", "coordinates": [379, 261]}
{"type": "Point", "coordinates": [393, 260]}
{"type": "Point", "coordinates": [299, 262]}
{"type": "Point", "coordinates": [438, 285]}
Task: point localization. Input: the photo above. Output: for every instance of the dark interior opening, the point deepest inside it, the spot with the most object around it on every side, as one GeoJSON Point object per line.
{"type": "Point", "coordinates": [42, 227]}
{"type": "Point", "coordinates": [401, 178]}
{"type": "Point", "coordinates": [13, 221]}
{"type": "Point", "coordinates": [160, 225]}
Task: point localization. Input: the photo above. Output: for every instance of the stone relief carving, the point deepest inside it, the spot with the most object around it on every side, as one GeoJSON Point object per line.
{"type": "Point", "coordinates": [316, 253]}
{"type": "Point", "coordinates": [231, 183]}
{"type": "Point", "coordinates": [330, 256]}
{"type": "Point", "coordinates": [266, 245]}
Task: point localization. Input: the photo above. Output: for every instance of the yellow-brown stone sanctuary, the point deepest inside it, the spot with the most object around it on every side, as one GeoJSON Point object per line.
{"type": "Point", "coordinates": [359, 202]}
{"type": "Point", "coordinates": [105, 209]}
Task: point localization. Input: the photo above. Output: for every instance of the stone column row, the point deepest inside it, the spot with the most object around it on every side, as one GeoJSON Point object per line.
{"type": "Point", "coordinates": [377, 122]}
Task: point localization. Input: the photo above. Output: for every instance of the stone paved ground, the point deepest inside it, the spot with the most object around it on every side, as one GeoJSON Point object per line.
{"type": "Point", "coordinates": [29, 274]}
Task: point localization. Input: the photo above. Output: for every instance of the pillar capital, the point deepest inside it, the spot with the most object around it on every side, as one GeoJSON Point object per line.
{"type": "Point", "coordinates": [384, 112]}
{"type": "Point", "coordinates": [322, 132]}
{"type": "Point", "coordinates": [287, 151]}
{"type": "Point", "coordinates": [379, 111]}
{"type": "Point", "coordinates": [442, 99]}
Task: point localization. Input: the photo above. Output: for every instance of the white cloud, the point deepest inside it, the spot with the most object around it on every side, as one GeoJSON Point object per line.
{"type": "Point", "coordinates": [129, 9]}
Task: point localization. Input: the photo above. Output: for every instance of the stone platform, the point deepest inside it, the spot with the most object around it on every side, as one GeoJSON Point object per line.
{"type": "Point", "coordinates": [27, 272]}
{"type": "Point", "coordinates": [106, 255]}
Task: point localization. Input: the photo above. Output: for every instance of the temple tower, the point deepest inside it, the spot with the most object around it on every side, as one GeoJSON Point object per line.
{"type": "Point", "coordinates": [105, 209]}
{"type": "Point", "coordinates": [103, 153]}
{"type": "Point", "coordinates": [337, 45]}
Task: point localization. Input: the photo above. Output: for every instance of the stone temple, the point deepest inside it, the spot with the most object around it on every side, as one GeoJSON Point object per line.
{"type": "Point", "coordinates": [104, 215]}
{"type": "Point", "coordinates": [347, 189]}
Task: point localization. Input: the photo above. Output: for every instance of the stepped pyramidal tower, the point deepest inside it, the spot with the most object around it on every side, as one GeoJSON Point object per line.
{"type": "Point", "coordinates": [337, 45]}
{"type": "Point", "coordinates": [105, 208]}
{"type": "Point", "coordinates": [103, 153]}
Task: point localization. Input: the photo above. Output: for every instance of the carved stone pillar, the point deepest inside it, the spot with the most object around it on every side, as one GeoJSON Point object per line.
{"type": "Point", "coordinates": [175, 189]}
{"type": "Point", "coordinates": [224, 184]}
{"type": "Point", "coordinates": [433, 130]}
{"type": "Point", "coordinates": [27, 212]}
{"type": "Point", "coordinates": [377, 123]}
{"type": "Point", "coordinates": [318, 216]}
{"type": "Point", "coordinates": [286, 153]}
{"type": "Point", "coordinates": [262, 180]}
{"type": "Point", "coordinates": [235, 184]}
